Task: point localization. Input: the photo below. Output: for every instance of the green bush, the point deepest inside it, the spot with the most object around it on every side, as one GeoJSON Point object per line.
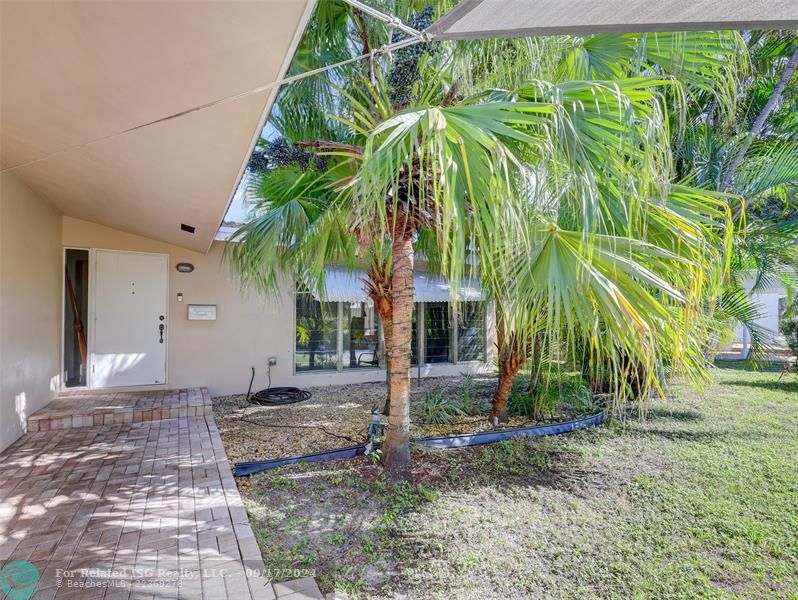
{"type": "Point", "coordinates": [439, 409]}
{"type": "Point", "coordinates": [524, 402]}
{"type": "Point", "coordinates": [575, 396]}
{"type": "Point", "coordinates": [567, 392]}
{"type": "Point", "coordinates": [473, 402]}
{"type": "Point", "coordinates": [789, 329]}
{"type": "Point", "coordinates": [468, 405]}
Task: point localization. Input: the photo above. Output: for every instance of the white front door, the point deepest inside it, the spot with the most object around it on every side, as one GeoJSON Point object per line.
{"type": "Point", "coordinates": [130, 295]}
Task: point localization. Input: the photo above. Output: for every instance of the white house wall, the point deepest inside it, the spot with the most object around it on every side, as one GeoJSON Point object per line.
{"type": "Point", "coordinates": [770, 310]}
{"type": "Point", "coordinates": [249, 327]}
{"type": "Point", "coordinates": [30, 305]}
{"type": "Point", "coordinates": [768, 304]}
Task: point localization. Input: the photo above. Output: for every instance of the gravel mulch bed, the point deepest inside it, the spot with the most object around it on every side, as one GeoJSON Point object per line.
{"type": "Point", "coordinates": [337, 416]}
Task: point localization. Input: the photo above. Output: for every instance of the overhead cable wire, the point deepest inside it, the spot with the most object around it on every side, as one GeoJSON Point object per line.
{"type": "Point", "coordinates": [391, 21]}
{"type": "Point", "coordinates": [387, 48]}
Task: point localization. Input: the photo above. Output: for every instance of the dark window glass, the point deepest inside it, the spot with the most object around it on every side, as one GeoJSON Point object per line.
{"type": "Point", "coordinates": [316, 334]}
{"type": "Point", "coordinates": [76, 303]}
{"type": "Point", "coordinates": [361, 336]}
{"type": "Point", "coordinates": [471, 332]}
{"type": "Point", "coordinates": [437, 332]}
{"type": "Point", "coordinates": [414, 338]}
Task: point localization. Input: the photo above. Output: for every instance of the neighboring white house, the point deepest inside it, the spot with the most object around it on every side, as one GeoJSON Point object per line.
{"type": "Point", "coordinates": [772, 303]}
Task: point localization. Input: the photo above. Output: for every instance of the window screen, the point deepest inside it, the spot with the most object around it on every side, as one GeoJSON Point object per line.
{"type": "Point", "coordinates": [437, 332]}
{"type": "Point", "coordinates": [471, 331]}
{"type": "Point", "coordinates": [361, 329]}
{"type": "Point", "coordinates": [316, 334]}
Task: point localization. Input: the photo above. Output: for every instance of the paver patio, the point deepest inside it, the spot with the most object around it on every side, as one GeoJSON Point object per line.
{"type": "Point", "coordinates": [87, 408]}
{"type": "Point", "coordinates": [144, 509]}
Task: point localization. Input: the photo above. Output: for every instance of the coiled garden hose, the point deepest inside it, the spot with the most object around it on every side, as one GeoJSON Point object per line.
{"type": "Point", "coordinates": [275, 395]}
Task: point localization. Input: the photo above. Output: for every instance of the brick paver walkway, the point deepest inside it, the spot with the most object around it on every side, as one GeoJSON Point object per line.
{"type": "Point", "coordinates": [86, 408]}
{"type": "Point", "coordinates": [144, 509]}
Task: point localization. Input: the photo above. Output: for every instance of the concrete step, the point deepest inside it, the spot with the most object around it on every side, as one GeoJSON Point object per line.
{"type": "Point", "coordinates": [101, 407]}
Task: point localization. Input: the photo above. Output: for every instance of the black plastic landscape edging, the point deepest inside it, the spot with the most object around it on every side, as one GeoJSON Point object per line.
{"type": "Point", "coordinates": [491, 437]}
{"type": "Point", "coordinates": [447, 441]}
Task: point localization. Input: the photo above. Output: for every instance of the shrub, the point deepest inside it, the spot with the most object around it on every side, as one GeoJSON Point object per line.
{"type": "Point", "coordinates": [789, 329]}
{"type": "Point", "coordinates": [568, 392]}
{"type": "Point", "coordinates": [439, 409]}
{"type": "Point", "coordinates": [524, 402]}
{"type": "Point", "coordinates": [468, 405]}
{"type": "Point", "coordinates": [576, 396]}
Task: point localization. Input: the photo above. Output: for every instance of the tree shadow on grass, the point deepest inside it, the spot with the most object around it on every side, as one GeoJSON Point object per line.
{"type": "Point", "coordinates": [748, 366]}
{"type": "Point", "coordinates": [788, 384]}
{"type": "Point", "coordinates": [674, 415]}
{"type": "Point", "coordinates": [700, 436]}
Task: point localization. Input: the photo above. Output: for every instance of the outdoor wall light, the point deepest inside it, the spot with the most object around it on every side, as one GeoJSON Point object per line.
{"type": "Point", "coordinates": [184, 267]}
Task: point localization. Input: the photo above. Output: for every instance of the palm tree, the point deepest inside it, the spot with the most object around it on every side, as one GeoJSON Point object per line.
{"type": "Point", "coordinates": [752, 153]}
{"type": "Point", "coordinates": [758, 126]}
{"type": "Point", "coordinates": [417, 148]}
{"type": "Point", "coordinates": [697, 65]}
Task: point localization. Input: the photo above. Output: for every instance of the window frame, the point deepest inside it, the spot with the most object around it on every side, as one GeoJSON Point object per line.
{"type": "Point", "coordinates": [380, 341]}
{"type": "Point", "coordinates": [339, 334]}
{"type": "Point", "coordinates": [454, 312]}
{"type": "Point", "coordinates": [456, 334]}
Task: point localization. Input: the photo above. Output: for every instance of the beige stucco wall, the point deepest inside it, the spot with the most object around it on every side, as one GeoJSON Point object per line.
{"type": "Point", "coordinates": [249, 327]}
{"type": "Point", "coordinates": [30, 305]}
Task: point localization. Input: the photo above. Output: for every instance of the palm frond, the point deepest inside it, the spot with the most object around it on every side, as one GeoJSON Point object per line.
{"type": "Point", "coordinates": [609, 293]}
{"type": "Point", "coordinates": [296, 229]}
{"type": "Point", "coordinates": [736, 306]}
{"type": "Point", "coordinates": [769, 165]}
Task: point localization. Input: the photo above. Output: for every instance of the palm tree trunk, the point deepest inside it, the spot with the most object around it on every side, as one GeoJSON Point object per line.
{"type": "Point", "coordinates": [502, 395]}
{"type": "Point", "coordinates": [387, 334]}
{"type": "Point", "coordinates": [512, 355]}
{"type": "Point", "coordinates": [379, 285]}
{"type": "Point", "coordinates": [759, 123]}
{"type": "Point", "coordinates": [396, 448]}
{"type": "Point", "coordinates": [510, 361]}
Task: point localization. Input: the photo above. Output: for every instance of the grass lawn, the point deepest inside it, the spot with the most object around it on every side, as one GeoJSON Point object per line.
{"type": "Point", "coordinates": [698, 501]}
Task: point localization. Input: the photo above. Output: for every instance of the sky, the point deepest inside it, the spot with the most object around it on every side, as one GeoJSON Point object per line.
{"type": "Point", "coordinates": [238, 207]}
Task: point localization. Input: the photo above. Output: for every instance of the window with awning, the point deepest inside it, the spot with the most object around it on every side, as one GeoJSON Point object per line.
{"type": "Point", "coordinates": [340, 330]}
{"type": "Point", "coordinates": [347, 286]}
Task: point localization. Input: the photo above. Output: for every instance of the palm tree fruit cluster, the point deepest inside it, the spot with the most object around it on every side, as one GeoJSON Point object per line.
{"type": "Point", "coordinates": [404, 73]}
{"type": "Point", "coordinates": [282, 153]}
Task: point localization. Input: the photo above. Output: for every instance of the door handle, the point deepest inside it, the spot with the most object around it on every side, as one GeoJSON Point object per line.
{"type": "Point", "coordinates": [161, 328]}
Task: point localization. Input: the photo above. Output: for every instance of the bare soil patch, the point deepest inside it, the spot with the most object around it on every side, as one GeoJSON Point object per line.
{"type": "Point", "coordinates": [338, 415]}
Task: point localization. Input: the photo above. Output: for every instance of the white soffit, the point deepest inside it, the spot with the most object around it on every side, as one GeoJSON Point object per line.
{"type": "Point", "coordinates": [515, 18]}
{"type": "Point", "coordinates": [83, 71]}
